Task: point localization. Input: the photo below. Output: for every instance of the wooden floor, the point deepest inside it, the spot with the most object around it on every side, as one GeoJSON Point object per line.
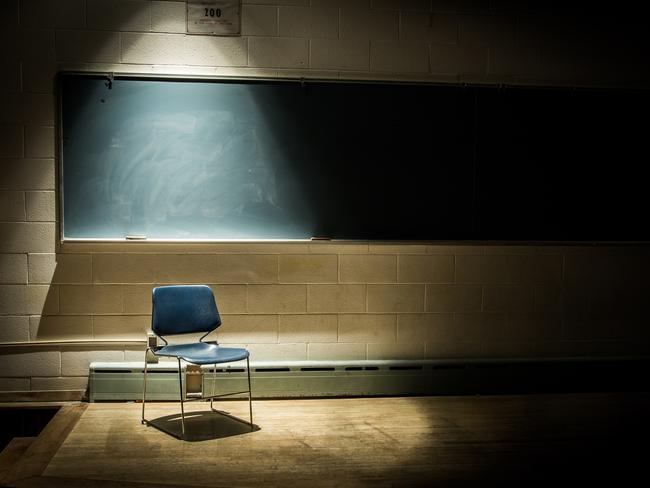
{"type": "Point", "coordinates": [423, 441]}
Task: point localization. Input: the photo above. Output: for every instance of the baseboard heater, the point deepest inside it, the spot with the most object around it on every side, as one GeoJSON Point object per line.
{"type": "Point", "coordinates": [122, 381]}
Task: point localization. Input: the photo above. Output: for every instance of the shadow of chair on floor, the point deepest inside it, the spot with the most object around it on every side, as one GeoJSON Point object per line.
{"type": "Point", "coordinates": [203, 425]}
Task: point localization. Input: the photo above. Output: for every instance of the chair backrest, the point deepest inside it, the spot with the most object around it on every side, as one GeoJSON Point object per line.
{"type": "Point", "coordinates": [183, 309]}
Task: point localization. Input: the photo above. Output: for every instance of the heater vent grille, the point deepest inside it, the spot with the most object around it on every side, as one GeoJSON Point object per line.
{"type": "Point", "coordinates": [123, 381]}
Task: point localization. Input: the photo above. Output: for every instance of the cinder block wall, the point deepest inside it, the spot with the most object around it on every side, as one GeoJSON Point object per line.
{"type": "Point", "coordinates": [361, 300]}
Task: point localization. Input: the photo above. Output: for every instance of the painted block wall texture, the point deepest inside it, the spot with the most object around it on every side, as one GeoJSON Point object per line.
{"type": "Point", "coordinates": [357, 300]}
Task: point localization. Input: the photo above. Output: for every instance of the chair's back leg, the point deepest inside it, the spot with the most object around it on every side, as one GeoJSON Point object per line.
{"type": "Point", "coordinates": [250, 400]}
{"type": "Point", "coordinates": [144, 385]}
{"type": "Point", "coordinates": [214, 382]}
{"type": "Point", "coordinates": [180, 385]}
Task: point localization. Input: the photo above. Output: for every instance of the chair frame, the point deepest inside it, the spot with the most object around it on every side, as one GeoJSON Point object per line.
{"type": "Point", "coordinates": [153, 349]}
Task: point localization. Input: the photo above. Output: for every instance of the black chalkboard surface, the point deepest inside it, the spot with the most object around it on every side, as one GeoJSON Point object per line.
{"type": "Point", "coordinates": [193, 159]}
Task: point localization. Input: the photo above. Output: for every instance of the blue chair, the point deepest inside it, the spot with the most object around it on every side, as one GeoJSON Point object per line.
{"type": "Point", "coordinates": [187, 309]}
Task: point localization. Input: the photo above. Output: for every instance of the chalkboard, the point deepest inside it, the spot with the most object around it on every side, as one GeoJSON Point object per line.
{"type": "Point", "coordinates": [194, 159]}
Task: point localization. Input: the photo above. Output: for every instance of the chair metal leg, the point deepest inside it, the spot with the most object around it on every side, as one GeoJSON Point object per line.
{"type": "Point", "coordinates": [144, 385]}
{"type": "Point", "coordinates": [180, 384]}
{"type": "Point", "coordinates": [250, 401]}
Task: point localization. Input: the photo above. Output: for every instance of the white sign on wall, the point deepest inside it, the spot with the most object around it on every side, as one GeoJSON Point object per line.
{"type": "Point", "coordinates": [214, 17]}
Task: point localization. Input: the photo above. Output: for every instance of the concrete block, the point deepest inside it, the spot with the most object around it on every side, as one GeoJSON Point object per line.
{"type": "Point", "coordinates": [119, 15]}
{"type": "Point", "coordinates": [39, 142]}
{"type": "Point", "coordinates": [388, 248]}
{"type": "Point", "coordinates": [27, 364]}
{"type": "Point", "coordinates": [404, 5]}
{"type": "Point", "coordinates": [395, 351]}
{"type": "Point", "coordinates": [395, 298]}
{"type": "Point", "coordinates": [368, 268]}
{"type": "Point", "coordinates": [215, 51]}
{"type": "Point", "coordinates": [40, 206]}
{"type": "Point", "coordinates": [320, 22]}
{"type": "Point", "coordinates": [418, 328]}
{"type": "Point", "coordinates": [38, 77]}
{"type": "Point", "coordinates": [272, 52]}
{"type": "Point", "coordinates": [11, 141]}
{"type": "Point", "coordinates": [507, 350]}
{"type": "Point", "coordinates": [61, 328]}
{"type": "Point", "coordinates": [27, 237]}
{"type": "Point", "coordinates": [515, 61]}
{"type": "Point", "coordinates": [510, 249]}
{"type": "Point", "coordinates": [134, 353]}
{"type": "Point", "coordinates": [366, 24]}
{"type": "Point", "coordinates": [89, 46]}
{"type": "Point", "coordinates": [59, 268]}
{"type": "Point", "coordinates": [153, 48]}
{"type": "Point", "coordinates": [367, 328]}
{"type": "Point", "coordinates": [76, 362]}
{"type": "Point", "coordinates": [399, 56]}
{"type": "Point", "coordinates": [27, 108]}
{"type": "Point", "coordinates": [137, 299]}
{"type": "Point", "coordinates": [489, 269]}
{"type": "Point", "coordinates": [259, 20]}
{"type": "Point", "coordinates": [534, 327]}
{"type": "Point", "coordinates": [35, 45]}
{"type": "Point", "coordinates": [59, 384]}
{"type": "Point", "coordinates": [453, 298]}
{"type": "Point", "coordinates": [277, 352]}
{"type": "Point", "coordinates": [545, 269]}
{"type": "Point", "coordinates": [247, 268]}
{"type": "Point", "coordinates": [463, 60]}
{"type": "Point", "coordinates": [9, 13]}
{"type": "Point", "coordinates": [308, 268]}
{"type": "Point", "coordinates": [230, 298]}
{"type": "Point", "coordinates": [169, 17]}
{"type": "Point", "coordinates": [12, 206]}
{"type": "Point", "coordinates": [14, 384]}
{"type": "Point", "coordinates": [428, 27]}
{"type": "Point", "coordinates": [248, 329]}
{"type": "Point", "coordinates": [425, 269]}
{"type": "Point", "coordinates": [507, 298]}
{"type": "Point", "coordinates": [340, 54]}
{"type": "Point", "coordinates": [63, 14]}
{"type": "Point", "coordinates": [14, 328]}
{"type": "Point", "coordinates": [336, 298]}
{"type": "Point", "coordinates": [124, 268]}
{"type": "Point", "coordinates": [335, 248]}
{"type": "Point", "coordinates": [548, 298]}
{"type": "Point", "coordinates": [465, 6]}
{"type": "Point", "coordinates": [13, 269]}
{"type": "Point", "coordinates": [27, 174]}
{"type": "Point", "coordinates": [308, 328]}
{"type": "Point", "coordinates": [276, 2]}
{"type": "Point", "coordinates": [277, 298]}
{"type": "Point", "coordinates": [336, 352]}
{"type": "Point", "coordinates": [121, 327]}
{"type": "Point", "coordinates": [476, 327]}
{"type": "Point", "coordinates": [486, 30]}
{"type": "Point", "coordinates": [90, 299]}
{"type": "Point", "coordinates": [186, 268]}
{"type": "Point", "coordinates": [9, 82]}
{"type": "Point", "coordinates": [453, 350]}
{"type": "Point", "coordinates": [443, 249]}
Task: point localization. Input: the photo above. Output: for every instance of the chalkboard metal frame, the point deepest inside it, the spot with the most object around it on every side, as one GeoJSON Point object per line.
{"type": "Point", "coordinates": [109, 78]}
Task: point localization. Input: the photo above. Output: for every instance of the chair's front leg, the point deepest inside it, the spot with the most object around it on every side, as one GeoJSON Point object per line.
{"type": "Point", "coordinates": [144, 385]}
{"type": "Point", "coordinates": [180, 384]}
{"type": "Point", "coordinates": [250, 393]}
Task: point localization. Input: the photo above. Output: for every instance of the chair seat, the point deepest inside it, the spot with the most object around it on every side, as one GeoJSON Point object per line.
{"type": "Point", "coordinates": [203, 353]}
